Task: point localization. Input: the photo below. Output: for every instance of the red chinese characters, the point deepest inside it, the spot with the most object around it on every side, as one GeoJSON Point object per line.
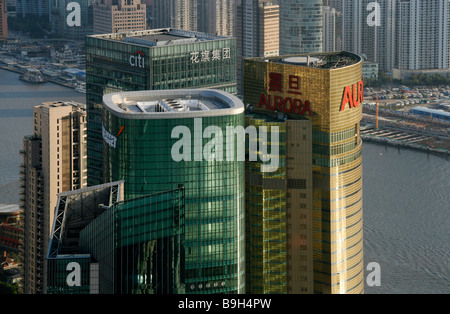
{"type": "Point", "coordinates": [276, 82]}
{"type": "Point", "coordinates": [285, 104]}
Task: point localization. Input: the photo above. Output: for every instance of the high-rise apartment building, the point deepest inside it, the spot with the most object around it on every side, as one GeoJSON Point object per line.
{"type": "Point", "coordinates": [258, 28]}
{"type": "Point", "coordinates": [337, 4]}
{"type": "Point", "coordinates": [217, 17]}
{"type": "Point", "coordinates": [368, 29]}
{"type": "Point", "coordinates": [67, 25]}
{"type": "Point", "coordinates": [300, 26]}
{"type": "Point", "coordinates": [156, 140]}
{"type": "Point", "coordinates": [181, 14]}
{"type": "Point", "coordinates": [33, 7]}
{"type": "Point", "coordinates": [3, 21]}
{"type": "Point", "coordinates": [422, 34]}
{"type": "Point", "coordinates": [329, 29]}
{"type": "Point", "coordinates": [304, 221]}
{"type": "Point", "coordinates": [396, 33]}
{"type": "Point", "coordinates": [352, 20]}
{"type": "Point", "coordinates": [206, 12]}
{"type": "Point", "coordinates": [115, 16]}
{"type": "Point", "coordinates": [257, 31]}
{"type": "Point", "coordinates": [54, 160]}
{"type": "Point", "coordinates": [151, 60]}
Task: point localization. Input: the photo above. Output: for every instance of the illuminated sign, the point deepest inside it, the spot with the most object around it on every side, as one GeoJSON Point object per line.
{"type": "Point", "coordinates": [289, 104]}
{"type": "Point", "coordinates": [353, 95]}
{"type": "Point", "coordinates": [137, 59]}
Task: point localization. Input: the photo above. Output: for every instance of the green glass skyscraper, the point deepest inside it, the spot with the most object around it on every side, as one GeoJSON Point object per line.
{"type": "Point", "coordinates": [156, 140]}
{"type": "Point", "coordinates": [151, 60]}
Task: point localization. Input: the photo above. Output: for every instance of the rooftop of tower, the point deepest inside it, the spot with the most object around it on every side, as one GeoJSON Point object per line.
{"type": "Point", "coordinates": [160, 37]}
{"type": "Point", "coordinates": [168, 104]}
{"type": "Point", "coordinates": [327, 60]}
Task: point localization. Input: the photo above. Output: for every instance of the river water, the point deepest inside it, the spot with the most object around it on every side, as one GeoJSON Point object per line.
{"type": "Point", "coordinates": [406, 196]}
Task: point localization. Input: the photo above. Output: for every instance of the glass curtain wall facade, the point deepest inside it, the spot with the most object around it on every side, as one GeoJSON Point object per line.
{"type": "Point", "coordinates": [301, 26]}
{"type": "Point", "coordinates": [151, 60]}
{"type": "Point", "coordinates": [324, 186]}
{"type": "Point", "coordinates": [142, 156]}
{"type": "Point", "coordinates": [103, 244]}
{"type": "Point", "coordinates": [278, 223]}
{"type": "Point", "coordinates": [265, 212]}
{"type": "Point", "coordinates": [139, 244]}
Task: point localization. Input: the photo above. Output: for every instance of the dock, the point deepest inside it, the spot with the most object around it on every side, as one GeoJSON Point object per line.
{"type": "Point", "coordinates": [407, 139]}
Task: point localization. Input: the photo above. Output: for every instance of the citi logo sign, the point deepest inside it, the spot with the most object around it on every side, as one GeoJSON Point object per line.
{"type": "Point", "coordinates": [137, 59]}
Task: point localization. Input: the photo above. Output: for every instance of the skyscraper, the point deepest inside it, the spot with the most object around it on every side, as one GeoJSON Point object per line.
{"type": "Point", "coordinates": [112, 16]}
{"type": "Point", "coordinates": [33, 7]}
{"type": "Point", "coordinates": [151, 60]}
{"type": "Point", "coordinates": [337, 4]}
{"type": "Point", "coordinates": [257, 31]}
{"type": "Point", "coordinates": [67, 25]}
{"type": "Point", "coordinates": [156, 140]}
{"type": "Point", "coordinates": [352, 23]}
{"type": "Point", "coordinates": [329, 29]}
{"type": "Point", "coordinates": [181, 14]}
{"type": "Point", "coordinates": [3, 21]}
{"type": "Point", "coordinates": [217, 17]}
{"type": "Point", "coordinates": [300, 26]}
{"type": "Point", "coordinates": [54, 160]}
{"type": "Point", "coordinates": [368, 29]}
{"type": "Point", "coordinates": [416, 48]}
{"type": "Point", "coordinates": [304, 221]}
{"type": "Point", "coordinates": [396, 33]}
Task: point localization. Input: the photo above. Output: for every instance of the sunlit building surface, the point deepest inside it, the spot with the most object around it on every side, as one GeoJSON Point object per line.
{"type": "Point", "coordinates": [141, 145]}
{"type": "Point", "coordinates": [119, 16]}
{"type": "Point", "coordinates": [304, 226]}
{"type": "Point", "coordinates": [3, 21]}
{"type": "Point", "coordinates": [54, 161]}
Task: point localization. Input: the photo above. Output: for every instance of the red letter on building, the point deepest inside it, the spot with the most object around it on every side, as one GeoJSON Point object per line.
{"type": "Point", "coordinates": [347, 98]}
{"type": "Point", "coordinates": [356, 96]}
{"type": "Point", "coordinates": [361, 91]}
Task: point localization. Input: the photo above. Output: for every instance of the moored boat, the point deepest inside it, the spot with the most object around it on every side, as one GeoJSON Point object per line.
{"type": "Point", "coordinates": [33, 76]}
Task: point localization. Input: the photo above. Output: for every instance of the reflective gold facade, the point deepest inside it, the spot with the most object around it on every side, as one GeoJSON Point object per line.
{"type": "Point", "coordinates": [304, 225]}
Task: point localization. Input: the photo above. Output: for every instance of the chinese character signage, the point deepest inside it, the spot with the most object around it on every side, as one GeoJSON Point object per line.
{"type": "Point", "coordinates": [210, 55]}
{"type": "Point", "coordinates": [284, 95]}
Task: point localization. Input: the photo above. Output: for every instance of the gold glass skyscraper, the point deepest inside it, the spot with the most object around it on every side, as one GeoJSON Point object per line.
{"type": "Point", "coordinates": [304, 221]}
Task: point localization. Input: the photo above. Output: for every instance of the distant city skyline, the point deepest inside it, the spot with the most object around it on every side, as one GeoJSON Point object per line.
{"type": "Point", "coordinates": [398, 43]}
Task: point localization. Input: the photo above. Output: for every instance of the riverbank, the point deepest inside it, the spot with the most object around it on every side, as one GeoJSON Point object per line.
{"type": "Point", "coordinates": [435, 151]}
{"type": "Point", "coordinates": [49, 79]}
{"type": "Point", "coordinates": [403, 138]}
